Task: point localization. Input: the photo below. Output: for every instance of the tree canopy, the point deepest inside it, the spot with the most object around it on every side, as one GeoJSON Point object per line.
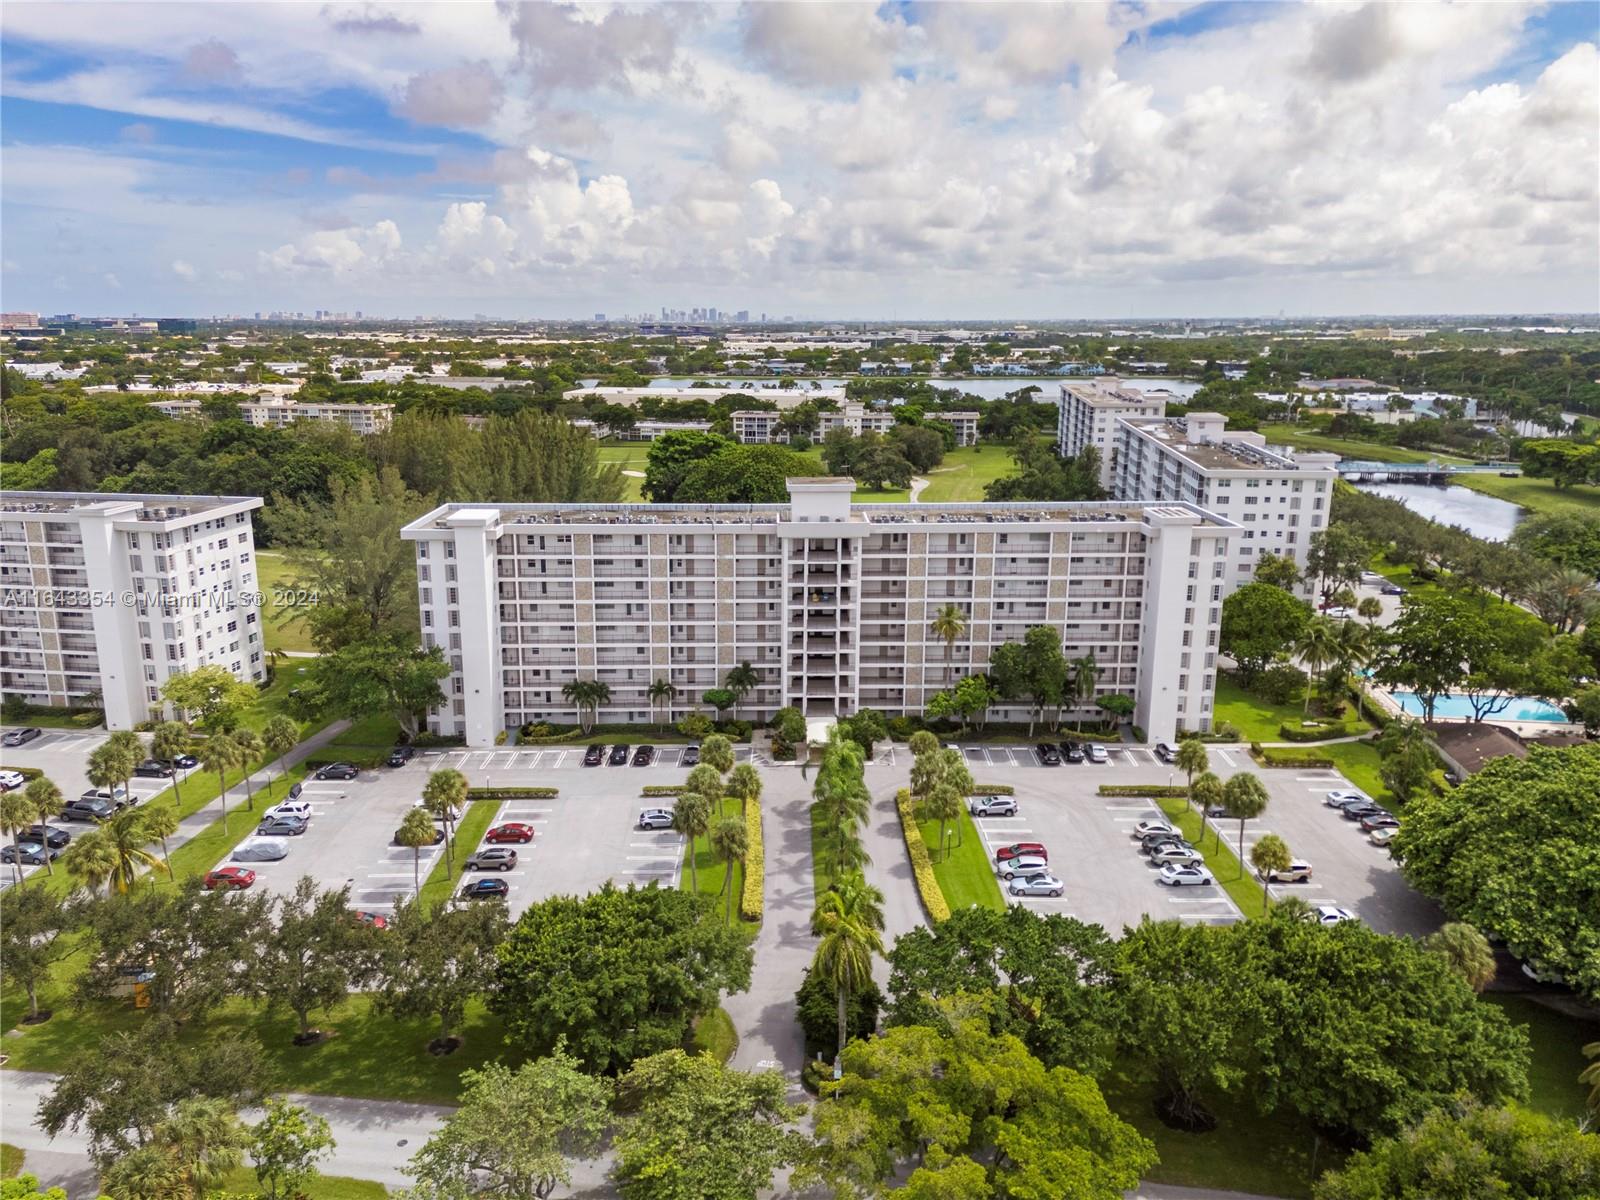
{"type": "Point", "coordinates": [1259, 624]}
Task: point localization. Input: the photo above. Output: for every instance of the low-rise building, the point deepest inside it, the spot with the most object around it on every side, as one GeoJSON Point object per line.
{"type": "Point", "coordinates": [782, 397]}
{"type": "Point", "coordinates": [105, 596]}
{"type": "Point", "coordinates": [274, 412]}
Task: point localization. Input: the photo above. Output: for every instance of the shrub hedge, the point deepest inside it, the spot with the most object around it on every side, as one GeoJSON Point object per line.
{"type": "Point", "coordinates": [933, 901]}
{"type": "Point", "coordinates": [512, 793]}
{"type": "Point", "coordinates": [1288, 756]}
{"type": "Point", "coordinates": [752, 900]}
{"type": "Point", "coordinates": [992, 789]}
{"type": "Point", "coordinates": [1320, 731]}
{"type": "Point", "coordinates": [661, 789]}
{"type": "Point", "coordinates": [1143, 789]}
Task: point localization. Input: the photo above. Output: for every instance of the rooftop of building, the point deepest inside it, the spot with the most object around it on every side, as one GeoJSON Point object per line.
{"type": "Point", "coordinates": [1109, 392]}
{"type": "Point", "coordinates": [1230, 452]}
{"type": "Point", "coordinates": [152, 507]}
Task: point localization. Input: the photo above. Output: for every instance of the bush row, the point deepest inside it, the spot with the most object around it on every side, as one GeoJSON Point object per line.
{"type": "Point", "coordinates": [365, 759]}
{"type": "Point", "coordinates": [933, 901]}
{"type": "Point", "coordinates": [1321, 731]}
{"type": "Point", "coordinates": [661, 789]}
{"type": "Point", "coordinates": [512, 793]}
{"type": "Point", "coordinates": [1287, 756]}
{"type": "Point", "coordinates": [27, 773]}
{"type": "Point", "coordinates": [1144, 789]}
{"type": "Point", "coordinates": [752, 900]}
{"type": "Point", "coordinates": [1370, 709]}
{"type": "Point", "coordinates": [992, 789]}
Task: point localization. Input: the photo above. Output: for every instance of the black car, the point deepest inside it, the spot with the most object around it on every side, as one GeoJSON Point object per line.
{"type": "Point", "coordinates": [20, 737]}
{"type": "Point", "coordinates": [401, 755]}
{"type": "Point", "coordinates": [486, 889]}
{"type": "Point", "coordinates": [691, 756]}
{"type": "Point", "coordinates": [619, 754]}
{"type": "Point", "coordinates": [47, 834]}
{"type": "Point", "coordinates": [1072, 752]}
{"type": "Point", "coordinates": [153, 768]}
{"type": "Point", "coordinates": [1380, 820]}
{"type": "Point", "coordinates": [184, 761]}
{"type": "Point", "coordinates": [282, 827]}
{"type": "Point", "coordinates": [1155, 841]}
{"type": "Point", "coordinates": [594, 755]}
{"type": "Point", "coordinates": [1049, 756]}
{"type": "Point", "coordinates": [644, 756]}
{"type": "Point", "coordinates": [1355, 812]}
{"type": "Point", "coordinates": [1216, 811]}
{"type": "Point", "coordinates": [88, 810]}
{"type": "Point", "coordinates": [339, 770]}
{"type": "Point", "coordinates": [438, 836]}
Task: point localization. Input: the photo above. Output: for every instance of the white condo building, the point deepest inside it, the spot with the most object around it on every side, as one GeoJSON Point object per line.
{"type": "Point", "coordinates": [761, 427]}
{"type": "Point", "coordinates": [1278, 500]}
{"type": "Point", "coordinates": [830, 601]}
{"type": "Point", "coordinates": [1090, 410]}
{"type": "Point", "coordinates": [274, 412]}
{"type": "Point", "coordinates": [107, 595]}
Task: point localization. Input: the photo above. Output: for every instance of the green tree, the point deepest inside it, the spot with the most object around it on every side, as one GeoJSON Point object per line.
{"type": "Point", "coordinates": [385, 675]}
{"type": "Point", "coordinates": [285, 1145]}
{"type": "Point", "coordinates": [848, 921]}
{"type": "Point", "coordinates": [1317, 647]}
{"type": "Point", "coordinates": [203, 1138]}
{"type": "Point", "coordinates": [90, 860]}
{"type": "Point", "coordinates": [948, 625]}
{"type": "Point", "coordinates": [1192, 760]}
{"type": "Point", "coordinates": [1246, 798]}
{"type": "Point", "coordinates": [444, 797]}
{"type": "Point", "coordinates": [742, 475]}
{"type": "Point", "coordinates": [744, 784]}
{"type": "Point", "coordinates": [943, 804]}
{"type": "Point", "coordinates": [1430, 645]}
{"type": "Point", "coordinates": [741, 681]}
{"type": "Point", "coordinates": [46, 801]}
{"type": "Point", "coordinates": [1466, 950]}
{"type": "Point", "coordinates": [671, 457]}
{"type": "Point", "coordinates": [691, 816]}
{"type": "Point", "coordinates": [251, 749]}
{"type": "Point", "coordinates": [314, 956]}
{"type": "Point", "coordinates": [1085, 676]}
{"type": "Point", "coordinates": [110, 764]}
{"type": "Point", "coordinates": [586, 696]}
{"type": "Point", "coordinates": [788, 729]}
{"type": "Point", "coordinates": [30, 941]}
{"type": "Point", "coordinates": [280, 735]}
{"type": "Point", "coordinates": [170, 739]}
{"type": "Point", "coordinates": [16, 814]}
{"type": "Point", "coordinates": [434, 962]}
{"type": "Point", "coordinates": [730, 845]}
{"type": "Point", "coordinates": [416, 831]}
{"type": "Point", "coordinates": [618, 974]}
{"type": "Point", "coordinates": [1277, 570]}
{"type": "Point", "coordinates": [160, 823]}
{"type": "Point", "coordinates": [1269, 854]}
{"type": "Point", "coordinates": [1338, 555]}
{"type": "Point", "coordinates": [1406, 758]}
{"type": "Point", "coordinates": [694, 1130]}
{"type": "Point", "coordinates": [210, 696]}
{"type": "Point", "coordinates": [716, 752]}
{"type": "Point", "coordinates": [661, 692]}
{"type": "Point", "coordinates": [1502, 852]}
{"type": "Point", "coordinates": [1466, 1149]}
{"type": "Point", "coordinates": [515, 1131]}
{"type": "Point", "coordinates": [1260, 624]}
{"type": "Point", "coordinates": [220, 753]}
{"type": "Point", "coordinates": [1369, 609]}
{"type": "Point", "coordinates": [974, 697]}
{"type": "Point", "coordinates": [720, 699]}
{"type": "Point", "coordinates": [130, 752]}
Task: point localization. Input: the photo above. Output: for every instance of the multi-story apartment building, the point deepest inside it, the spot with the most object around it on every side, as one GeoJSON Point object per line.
{"type": "Point", "coordinates": [1089, 413]}
{"type": "Point", "coordinates": [829, 600]}
{"type": "Point", "coordinates": [759, 428]}
{"type": "Point", "coordinates": [107, 595]}
{"type": "Point", "coordinates": [781, 396]}
{"type": "Point", "coordinates": [274, 412]}
{"type": "Point", "coordinates": [1278, 500]}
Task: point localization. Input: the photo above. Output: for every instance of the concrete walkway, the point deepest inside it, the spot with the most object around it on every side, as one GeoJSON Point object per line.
{"type": "Point", "coordinates": [917, 484]}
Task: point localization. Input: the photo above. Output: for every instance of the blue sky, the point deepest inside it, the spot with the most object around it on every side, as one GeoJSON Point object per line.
{"type": "Point", "coordinates": [914, 160]}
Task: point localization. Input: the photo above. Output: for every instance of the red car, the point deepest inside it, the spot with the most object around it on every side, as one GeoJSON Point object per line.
{"type": "Point", "coordinates": [237, 878]}
{"type": "Point", "coordinates": [376, 920]}
{"type": "Point", "coordinates": [513, 831]}
{"type": "Point", "coordinates": [1016, 848]}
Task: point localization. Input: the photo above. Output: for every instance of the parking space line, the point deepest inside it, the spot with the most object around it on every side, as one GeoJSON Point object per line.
{"type": "Point", "coordinates": [461, 760]}
{"type": "Point", "coordinates": [1226, 757]}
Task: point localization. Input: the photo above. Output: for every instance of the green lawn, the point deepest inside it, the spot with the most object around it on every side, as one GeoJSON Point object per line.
{"type": "Point", "coordinates": [1538, 495]}
{"type": "Point", "coordinates": [279, 629]}
{"type": "Point", "coordinates": [274, 699]}
{"type": "Point", "coordinates": [1304, 439]}
{"type": "Point", "coordinates": [324, 1187]}
{"type": "Point", "coordinates": [366, 738]}
{"type": "Point", "coordinates": [965, 873]}
{"type": "Point", "coordinates": [1239, 883]}
{"type": "Point", "coordinates": [440, 882]}
{"type": "Point", "coordinates": [46, 719]}
{"type": "Point", "coordinates": [712, 873]}
{"type": "Point", "coordinates": [1358, 762]}
{"type": "Point", "coordinates": [966, 472]}
{"type": "Point", "coordinates": [1558, 1042]}
{"type": "Point", "coordinates": [714, 1034]}
{"type": "Point", "coordinates": [1257, 720]}
{"type": "Point", "coordinates": [10, 1160]}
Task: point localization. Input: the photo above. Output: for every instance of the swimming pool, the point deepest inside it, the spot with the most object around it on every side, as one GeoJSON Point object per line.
{"type": "Point", "coordinates": [1521, 708]}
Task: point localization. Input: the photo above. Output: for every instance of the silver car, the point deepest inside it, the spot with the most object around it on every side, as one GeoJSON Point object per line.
{"type": "Point", "coordinates": [655, 818]}
{"type": "Point", "coordinates": [1174, 853]}
{"type": "Point", "coordinates": [1022, 865]}
{"type": "Point", "coordinates": [261, 851]}
{"type": "Point", "coordinates": [992, 806]}
{"type": "Point", "coordinates": [493, 858]}
{"type": "Point", "coordinates": [1036, 885]}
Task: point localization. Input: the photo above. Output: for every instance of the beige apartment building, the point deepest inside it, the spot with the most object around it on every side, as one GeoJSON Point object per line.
{"type": "Point", "coordinates": [274, 412]}
{"type": "Point", "coordinates": [831, 601]}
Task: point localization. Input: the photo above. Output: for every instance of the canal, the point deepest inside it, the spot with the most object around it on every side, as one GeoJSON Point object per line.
{"type": "Point", "coordinates": [1451, 504]}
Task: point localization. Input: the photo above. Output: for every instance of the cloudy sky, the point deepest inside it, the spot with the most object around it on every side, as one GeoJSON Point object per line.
{"type": "Point", "coordinates": [913, 160]}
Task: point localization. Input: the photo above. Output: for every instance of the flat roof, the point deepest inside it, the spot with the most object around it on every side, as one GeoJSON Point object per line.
{"type": "Point", "coordinates": [152, 507]}
{"type": "Point", "coordinates": [1172, 434]}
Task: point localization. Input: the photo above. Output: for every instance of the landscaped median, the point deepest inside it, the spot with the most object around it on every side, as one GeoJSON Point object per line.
{"type": "Point", "coordinates": [469, 831]}
{"type": "Point", "coordinates": [933, 901]}
{"type": "Point", "coordinates": [1220, 859]}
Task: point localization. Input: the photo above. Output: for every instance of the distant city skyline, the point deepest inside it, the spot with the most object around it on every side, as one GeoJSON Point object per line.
{"type": "Point", "coordinates": [893, 163]}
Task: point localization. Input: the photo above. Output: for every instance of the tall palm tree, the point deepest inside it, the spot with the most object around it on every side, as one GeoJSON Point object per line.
{"type": "Point", "coordinates": [416, 831]}
{"type": "Point", "coordinates": [705, 780]}
{"type": "Point", "coordinates": [128, 833]}
{"type": "Point", "coordinates": [279, 735]}
{"type": "Point", "coordinates": [130, 753]}
{"type": "Point", "coordinates": [1206, 792]}
{"type": "Point", "coordinates": [46, 801]}
{"type": "Point", "coordinates": [730, 843]}
{"type": "Point", "coordinates": [848, 921]}
{"type": "Point", "coordinates": [942, 804]}
{"type": "Point", "coordinates": [1246, 798]}
{"type": "Point", "coordinates": [1085, 675]}
{"type": "Point", "coordinates": [220, 753]}
{"type": "Point", "coordinates": [744, 784]}
{"type": "Point", "coordinates": [445, 795]}
{"type": "Point", "coordinates": [1270, 853]}
{"type": "Point", "coordinates": [716, 751]}
{"type": "Point", "coordinates": [110, 765]}
{"type": "Point", "coordinates": [586, 696]}
{"type": "Point", "coordinates": [741, 681]}
{"type": "Point", "coordinates": [205, 1139]}
{"type": "Point", "coordinates": [1466, 950]}
{"type": "Point", "coordinates": [691, 816]}
{"type": "Point", "coordinates": [161, 821]}
{"type": "Point", "coordinates": [16, 814]}
{"type": "Point", "coordinates": [1370, 609]}
{"type": "Point", "coordinates": [1317, 647]}
{"type": "Point", "coordinates": [170, 739]}
{"type": "Point", "coordinates": [250, 751]}
{"type": "Point", "coordinates": [662, 692]}
{"type": "Point", "coordinates": [90, 859]}
{"type": "Point", "coordinates": [1193, 760]}
{"type": "Point", "coordinates": [844, 804]}
{"type": "Point", "coordinates": [948, 624]}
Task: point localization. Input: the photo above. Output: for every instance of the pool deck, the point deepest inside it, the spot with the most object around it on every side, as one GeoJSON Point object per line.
{"type": "Point", "coordinates": [1526, 729]}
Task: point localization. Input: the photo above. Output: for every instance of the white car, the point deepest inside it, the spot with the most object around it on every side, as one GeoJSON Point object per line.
{"type": "Point", "coordinates": [1176, 875]}
{"type": "Point", "coordinates": [261, 850]}
{"type": "Point", "coordinates": [1146, 828]}
{"type": "Point", "coordinates": [1096, 753]}
{"type": "Point", "coordinates": [992, 806]}
{"type": "Point", "coordinates": [1022, 865]}
{"type": "Point", "coordinates": [1338, 799]}
{"type": "Point", "coordinates": [1383, 835]}
{"type": "Point", "coordinates": [455, 813]}
{"type": "Point", "coordinates": [1332, 914]}
{"type": "Point", "coordinates": [1296, 872]}
{"type": "Point", "coordinates": [10, 780]}
{"type": "Point", "coordinates": [655, 818]}
{"type": "Point", "coordinates": [1174, 853]}
{"type": "Point", "coordinates": [1036, 885]}
{"type": "Point", "coordinates": [290, 808]}
{"type": "Point", "coordinates": [1341, 613]}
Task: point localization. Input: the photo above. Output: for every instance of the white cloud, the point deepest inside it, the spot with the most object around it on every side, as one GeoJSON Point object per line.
{"type": "Point", "coordinates": [831, 45]}
{"type": "Point", "coordinates": [465, 95]}
{"type": "Point", "coordinates": [212, 62]}
{"type": "Point", "coordinates": [342, 251]}
{"type": "Point", "coordinates": [183, 270]}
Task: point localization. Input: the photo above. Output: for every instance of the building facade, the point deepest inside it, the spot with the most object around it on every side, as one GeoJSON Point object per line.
{"type": "Point", "coordinates": [1278, 500]}
{"type": "Point", "coordinates": [274, 412]}
{"type": "Point", "coordinates": [1089, 414]}
{"type": "Point", "coordinates": [106, 596]}
{"type": "Point", "coordinates": [759, 428]}
{"type": "Point", "coordinates": [830, 601]}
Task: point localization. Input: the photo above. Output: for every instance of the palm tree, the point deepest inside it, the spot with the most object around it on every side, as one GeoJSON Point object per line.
{"type": "Point", "coordinates": [741, 681]}
{"type": "Point", "coordinates": [586, 696]}
{"type": "Point", "coordinates": [1207, 792]}
{"type": "Point", "coordinates": [16, 814]}
{"type": "Point", "coordinates": [127, 833]}
{"type": "Point", "coordinates": [170, 739]}
{"type": "Point", "coordinates": [848, 920]}
{"type": "Point", "coordinates": [942, 804]}
{"type": "Point", "coordinates": [220, 753]}
{"type": "Point", "coordinates": [948, 624]}
{"type": "Point", "coordinates": [279, 735]}
{"type": "Point", "coordinates": [844, 804]}
{"type": "Point", "coordinates": [1317, 646]}
{"type": "Point", "coordinates": [691, 816]}
{"type": "Point", "coordinates": [1270, 853]}
{"type": "Point", "coordinates": [130, 752]}
{"type": "Point", "coordinates": [1085, 675]}
{"type": "Point", "coordinates": [1370, 609]}
{"type": "Point", "coordinates": [716, 751]}
{"type": "Point", "coordinates": [1193, 760]}
{"type": "Point", "coordinates": [705, 780]}
{"type": "Point", "coordinates": [416, 831]}
{"type": "Point", "coordinates": [744, 784]}
{"type": "Point", "coordinates": [250, 752]}
{"type": "Point", "coordinates": [1466, 951]}
{"type": "Point", "coordinates": [90, 859]}
{"type": "Point", "coordinates": [1246, 798]}
{"type": "Point", "coordinates": [204, 1138]}
{"type": "Point", "coordinates": [445, 795]}
{"type": "Point", "coordinates": [662, 692]}
{"type": "Point", "coordinates": [46, 800]}
{"type": "Point", "coordinates": [161, 821]}
{"type": "Point", "coordinates": [110, 765]}
{"type": "Point", "coordinates": [729, 842]}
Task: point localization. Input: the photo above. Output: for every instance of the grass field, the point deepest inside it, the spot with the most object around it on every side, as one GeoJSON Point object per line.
{"type": "Point", "coordinates": [966, 472]}
{"type": "Point", "coordinates": [1536, 495]}
{"type": "Point", "coordinates": [272, 578]}
{"type": "Point", "coordinates": [965, 874]}
{"type": "Point", "coordinates": [324, 1187]}
{"type": "Point", "coordinates": [712, 872]}
{"type": "Point", "coordinates": [1257, 720]}
{"type": "Point", "coordinates": [1557, 1042]}
{"type": "Point", "coordinates": [1351, 447]}
{"type": "Point", "coordinates": [715, 1035]}
{"type": "Point", "coordinates": [440, 882]}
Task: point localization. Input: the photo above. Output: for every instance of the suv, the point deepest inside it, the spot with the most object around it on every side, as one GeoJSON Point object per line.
{"type": "Point", "coordinates": [644, 756]}
{"type": "Point", "coordinates": [1167, 752]}
{"type": "Point", "coordinates": [290, 808]}
{"type": "Point", "coordinates": [992, 806]}
{"type": "Point", "coordinates": [339, 770]}
{"type": "Point", "coordinates": [1296, 872]}
{"type": "Point", "coordinates": [1049, 756]}
{"type": "Point", "coordinates": [20, 737]}
{"type": "Point", "coordinates": [401, 755]}
{"type": "Point", "coordinates": [1072, 751]}
{"type": "Point", "coordinates": [691, 756]}
{"type": "Point", "coordinates": [153, 768]}
{"type": "Point", "coordinates": [594, 755]}
{"type": "Point", "coordinates": [88, 810]}
{"type": "Point", "coordinates": [619, 755]}
{"type": "Point", "coordinates": [1097, 753]}
{"type": "Point", "coordinates": [1022, 865]}
{"type": "Point", "coordinates": [655, 818]}
{"type": "Point", "coordinates": [495, 858]}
